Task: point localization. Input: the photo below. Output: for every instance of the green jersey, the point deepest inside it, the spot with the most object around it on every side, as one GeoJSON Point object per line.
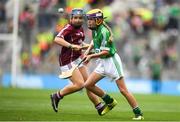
{"type": "Point", "coordinates": [101, 41]}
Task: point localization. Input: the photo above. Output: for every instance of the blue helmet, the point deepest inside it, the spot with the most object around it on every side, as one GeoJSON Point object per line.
{"type": "Point", "coordinates": [77, 11]}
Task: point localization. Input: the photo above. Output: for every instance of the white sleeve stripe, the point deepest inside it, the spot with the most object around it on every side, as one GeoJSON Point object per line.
{"type": "Point", "coordinates": [104, 39]}
{"type": "Point", "coordinates": [61, 36]}
{"type": "Point", "coordinates": [60, 33]}
{"type": "Point", "coordinates": [104, 48]}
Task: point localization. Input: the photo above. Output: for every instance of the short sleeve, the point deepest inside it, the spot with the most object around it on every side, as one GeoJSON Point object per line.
{"type": "Point", "coordinates": [64, 32]}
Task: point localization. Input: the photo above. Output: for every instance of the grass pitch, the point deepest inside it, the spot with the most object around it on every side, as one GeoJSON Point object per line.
{"type": "Point", "coordinates": [34, 105]}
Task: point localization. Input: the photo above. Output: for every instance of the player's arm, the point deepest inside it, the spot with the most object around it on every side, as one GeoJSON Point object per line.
{"type": "Point", "coordinates": [90, 47]}
{"type": "Point", "coordinates": [96, 55]}
{"type": "Point", "coordinates": [88, 51]}
{"type": "Point", "coordinates": [104, 49]}
{"type": "Point", "coordinates": [85, 46]}
{"type": "Point", "coordinates": [62, 42]}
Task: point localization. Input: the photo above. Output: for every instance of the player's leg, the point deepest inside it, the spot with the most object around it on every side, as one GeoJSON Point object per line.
{"type": "Point", "coordinates": [118, 74]}
{"type": "Point", "coordinates": [101, 108]}
{"type": "Point", "coordinates": [130, 98]}
{"type": "Point", "coordinates": [95, 100]}
{"type": "Point", "coordinates": [77, 84]}
{"type": "Point", "coordinates": [91, 85]}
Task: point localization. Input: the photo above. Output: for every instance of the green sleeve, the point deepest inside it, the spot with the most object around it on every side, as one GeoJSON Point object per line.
{"type": "Point", "coordinates": [106, 44]}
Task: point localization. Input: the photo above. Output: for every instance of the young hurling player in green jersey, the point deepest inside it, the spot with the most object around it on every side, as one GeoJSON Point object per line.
{"type": "Point", "coordinates": [109, 63]}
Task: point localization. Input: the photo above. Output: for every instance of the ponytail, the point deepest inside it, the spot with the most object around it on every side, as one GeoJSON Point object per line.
{"type": "Point", "coordinates": [109, 29]}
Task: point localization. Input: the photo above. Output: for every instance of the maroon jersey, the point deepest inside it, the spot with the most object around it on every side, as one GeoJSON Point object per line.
{"type": "Point", "coordinates": [73, 36]}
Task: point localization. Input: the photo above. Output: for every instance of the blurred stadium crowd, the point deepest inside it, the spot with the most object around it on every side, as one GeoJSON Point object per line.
{"type": "Point", "coordinates": [146, 33]}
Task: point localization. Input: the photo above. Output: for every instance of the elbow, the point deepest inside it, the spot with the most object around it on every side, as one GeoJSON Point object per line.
{"type": "Point", "coordinates": [55, 40]}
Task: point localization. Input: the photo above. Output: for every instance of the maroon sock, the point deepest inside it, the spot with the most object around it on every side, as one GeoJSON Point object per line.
{"type": "Point", "coordinates": [59, 95]}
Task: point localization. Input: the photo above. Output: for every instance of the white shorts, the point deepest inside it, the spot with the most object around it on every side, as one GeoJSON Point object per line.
{"type": "Point", "coordinates": [69, 66]}
{"type": "Point", "coordinates": [110, 67]}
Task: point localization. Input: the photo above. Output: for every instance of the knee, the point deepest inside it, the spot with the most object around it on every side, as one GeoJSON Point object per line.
{"type": "Point", "coordinates": [88, 85]}
{"type": "Point", "coordinates": [79, 86]}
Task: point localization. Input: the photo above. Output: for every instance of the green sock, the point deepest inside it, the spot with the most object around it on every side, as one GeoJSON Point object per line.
{"type": "Point", "coordinates": [107, 99]}
{"type": "Point", "coordinates": [137, 111]}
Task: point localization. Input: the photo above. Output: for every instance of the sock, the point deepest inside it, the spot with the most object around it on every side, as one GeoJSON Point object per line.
{"type": "Point", "coordinates": [137, 111]}
{"type": "Point", "coordinates": [99, 106]}
{"type": "Point", "coordinates": [107, 99]}
{"type": "Point", "coordinates": [59, 96]}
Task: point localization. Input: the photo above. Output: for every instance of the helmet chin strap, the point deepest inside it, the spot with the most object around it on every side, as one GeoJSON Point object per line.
{"type": "Point", "coordinates": [98, 21]}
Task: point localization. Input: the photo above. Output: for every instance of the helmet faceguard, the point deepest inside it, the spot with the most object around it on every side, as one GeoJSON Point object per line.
{"type": "Point", "coordinates": [96, 14]}
{"type": "Point", "coordinates": [77, 11]}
